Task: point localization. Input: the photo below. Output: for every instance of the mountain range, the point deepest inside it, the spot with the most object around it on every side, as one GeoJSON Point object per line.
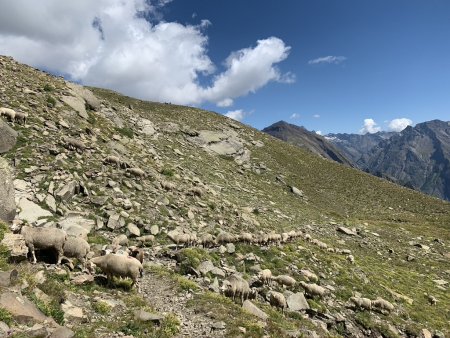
{"type": "Point", "coordinates": [417, 157]}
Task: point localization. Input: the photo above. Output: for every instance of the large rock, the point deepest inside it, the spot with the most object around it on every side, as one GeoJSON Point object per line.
{"type": "Point", "coordinates": [147, 127]}
{"type": "Point", "coordinates": [7, 202]}
{"type": "Point", "coordinates": [7, 278]}
{"type": "Point", "coordinates": [31, 212]}
{"type": "Point", "coordinates": [77, 104]}
{"type": "Point", "coordinates": [22, 310]}
{"type": "Point", "coordinates": [254, 310]}
{"type": "Point", "coordinates": [83, 93]}
{"type": "Point", "coordinates": [77, 226]}
{"type": "Point", "coordinates": [8, 137]}
{"type": "Point", "coordinates": [15, 243]}
{"type": "Point", "coordinates": [297, 302]}
{"type": "Point", "coordinates": [72, 313]}
{"type": "Point", "coordinates": [66, 191]}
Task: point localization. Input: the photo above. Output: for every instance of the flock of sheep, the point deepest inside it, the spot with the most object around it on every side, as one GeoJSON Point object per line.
{"type": "Point", "coordinates": [13, 116]}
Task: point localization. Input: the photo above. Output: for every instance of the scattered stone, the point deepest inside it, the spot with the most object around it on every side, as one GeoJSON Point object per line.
{"type": "Point", "coordinates": [37, 331]}
{"type": "Point", "coordinates": [83, 279]}
{"type": "Point", "coordinates": [31, 212]}
{"type": "Point", "coordinates": [15, 243]}
{"type": "Point", "coordinates": [72, 313]}
{"type": "Point", "coordinates": [347, 231]}
{"type": "Point", "coordinates": [425, 334]}
{"type": "Point", "coordinates": [7, 193]}
{"type": "Point", "coordinates": [22, 310]}
{"type": "Point", "coordinates": [4, 330]}
{"type": "Point", "coordinates": [67, 191]}
{"type": "Point", "coordinates": [133, 229]}
{"type": "Point", "coordinates": [231, 248]}
{"type": "Point", "coordinates": [77, 226]}
{"type": "Point", "coordinates": [7, 278]}
{"type": "Point", "coordinates": [254, 310]}
{"type": "Point", "coordinates": [297, 302]}
{"type": "Point", "coordinates": [154, 230]}
{"type": "Point", "coordinates": [205, 267]}
{"type": "Point", "coordinates": [8, 137]}
{"type": "Point", "coordinates": [218, 325]}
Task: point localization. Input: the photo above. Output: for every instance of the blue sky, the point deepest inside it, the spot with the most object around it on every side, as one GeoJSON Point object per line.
{"type": "Point", "coordinates": [376, 61]}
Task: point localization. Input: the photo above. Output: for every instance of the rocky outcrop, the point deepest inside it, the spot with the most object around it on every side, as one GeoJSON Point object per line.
{"type": "Point", "coordinates": [7, 201]}
{"type": "Point", "coordinates": [303, 138]}
{"type": "Point", "coordinates": [8, 137]}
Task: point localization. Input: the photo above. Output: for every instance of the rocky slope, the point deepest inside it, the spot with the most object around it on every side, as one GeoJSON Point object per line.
{"type": "Point", "coordinates": [303, 138]}
{"type": "Point", "coordinates": [357, 146]}
{"type": "Point", "coordinates": [418, 157]}
{"type": "Point", "coordinates": [181, 170]}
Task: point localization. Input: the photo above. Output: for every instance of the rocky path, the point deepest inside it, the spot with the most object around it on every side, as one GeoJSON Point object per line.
{"type": "Point", "coordinates": [164, 296]}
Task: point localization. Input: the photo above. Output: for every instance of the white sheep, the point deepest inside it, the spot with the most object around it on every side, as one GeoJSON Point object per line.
{"type": "Point", "coordinates": [120, 266]}
{"type": "Point", "coordinates": [351, 259]}
{"type": "Point", "coordinates": [285, 280]}
{"type": "Point", "coordinates": [179, 238]}
{"type": "Point", "coordinates": [225, 237]}
{"type": "Point", "coordinates": [277, 299]}
{"type": "Point", "coordinates": [265, 276]}
{"type": "Point", "coordinates": [9, 113]}
{"type": "Point", "coordinates": [310, 276]}
{"type": "Point", "coordinates": [146, 239]}
{"type": "Point", "coordinates": [74, 144]}
{"type": "Point", "coordinates": [206, 240]}
{"type": "Point", "coordinates": [382, 304]}
{"type": "Point", "coordinates": [314, 289]}
{"type": "Point", "coordinates": [111, 159]}
{"type": "Point", "coordinates": [21, 118]}
{"type": "Point", "coordinates": [361, 302]}
{"type": "Point", "coordinates": [246, 237]}
{"type": "Point", "coordinates": [120, 240]}
{"type": "Point", "coordinates": [236, 286]}
{"type": "Point", "coordinates": [76, 247]}
{"type": "Point", "coordinates": [44, 238]}
{"type": "Point", "coordinates": [138, 172]}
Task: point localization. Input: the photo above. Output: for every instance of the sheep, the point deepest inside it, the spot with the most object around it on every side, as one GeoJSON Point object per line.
{"type": "Point", "coordinates": [111, 159]}
{"type": "Point", "coordinates": [277, 299]}
{"type": "Point", "coordinates": [307, 237]}
{"type": "Point", "coordinates": [320, 244]}
{"type": "Point", "coordinates": [382, 304]}
{"type": "Point", "coordinates": [166, 185]}
{"type": "Point", "coordinates": [76, 247]}
{"type": "Point", "coordinates": [9, 113]}
{"type": "Point", "coordinates": [285, 237]}
{"type": "Point", "coordinates": [44, 238]}
{"type": "Point", "coordinates": [246, 237]}
{"type": "Point", "coordinates": [146, 239]}
{"type": "Point", "coordinates": [362, 303]}
{"type": "Point", "coordinates": [120, 240]}
{"type": "Point", "coordinates": [137, 253]}
{"type": "Point", "coordinates": [236, 286]}
{"type": "Point", "coordinates": [74, 144]}
{"type": "Point", "coordinates": [314, 289]}
{"type": "Point", "coordinates": [120, 266]}
{"type": "Point", "coordinates": [351, 259]}
{"type": "Point", "coordinates": [285, 280]}
{"type": "Point", "coordinates": [206, 240]}
{"type": "Point", "coordinates": [21, 118]}
{"type": "Point", "coordinates": [265, 276]}
{"type": "Point", "coordinates": [310, 276]}
{"type": "Point", "coordinates": [432, 300]}
{"type": "Point", "coordinates": [177, 238]}
{"type": "Point", "coordinates": [138, 172]}
{"type": "Point", "coordinates": [224, 238]}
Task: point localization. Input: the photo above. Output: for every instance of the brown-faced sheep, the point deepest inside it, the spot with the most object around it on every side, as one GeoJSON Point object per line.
{"type": "Point", "coordinates": [285, 280]}
{"type": "Point", "coordinates": [236, 286]}
{"type": "Point", "coordinates": [361, 303]}
{"type": "Point", "coordinates": [265, 276]}
{"type": "Point", "coordinates": [76, 247]}
{"type": "Point", "coordinates": [120, 266]}
{"type": "Point", "coordinates": [277, 299]}
{"type": "Point", "coordinates": [314, 289]}
{"type": "Point", "coordinates": [44, 238]}
{"type": "Point", "coordinates": [382, 305]}
{"type": "Point", "coordinates": [137, 253]}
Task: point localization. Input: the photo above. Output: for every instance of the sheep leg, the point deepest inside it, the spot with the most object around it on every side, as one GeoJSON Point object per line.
{"type": "Point", "coordinates": [33, 255]}
{"type": "Point", "coordinates": [60, 256]}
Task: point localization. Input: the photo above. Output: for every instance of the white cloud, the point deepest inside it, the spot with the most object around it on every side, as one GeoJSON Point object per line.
{"type": "Point", "coordinates": [237, 115]}
{"type": "Point", "coordinates": [318, 132]}
{"type": "Point", "coordinates": [225, 103]}
{"type": "Point", "coordinates": [399, 124]}
{"type": "Point", "coordinates": [111, 43]}
{"type": "Point", "coordinates": [316, 116]}
{"type": "Point", "coordinates": [294, 116]}
{"type": "Point", "coordinates": [328, 59]}
{"type": "Point", "coordinates": [370, 126]}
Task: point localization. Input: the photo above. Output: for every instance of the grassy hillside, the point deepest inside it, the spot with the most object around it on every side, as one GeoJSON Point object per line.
{"type": "Point", "coordinates": [401, 248]}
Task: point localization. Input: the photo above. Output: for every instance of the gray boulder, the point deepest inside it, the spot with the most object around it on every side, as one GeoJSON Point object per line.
{"type": "Point", "coordinates": [8, 137]}
{"type": "Point", "coordinates": [22, 310]}
{"type": "Point", "coordinates": [7, 202]}
{"type": "Point", "coordinates": [297, 302]}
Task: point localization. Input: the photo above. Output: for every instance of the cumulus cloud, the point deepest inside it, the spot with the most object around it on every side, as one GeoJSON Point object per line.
{"type": "Point", "coordinates": [328, 59]}
{"type": "Point", "coordinates": [370, 126]}
{"type": "Point", "coordinates": [294, 116]}
{"type": "Point", "coordinates": [123, 45]}
{"type": "Point", "coordinates": [237, 115]}
{"type": "Point", "coordinates": [399, 124]}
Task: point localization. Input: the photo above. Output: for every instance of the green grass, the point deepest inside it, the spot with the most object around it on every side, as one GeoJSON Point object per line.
{"type": "Point", "coordinates": [127, 132]}
{"type": "Point", "coordinates": [6, 316]}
